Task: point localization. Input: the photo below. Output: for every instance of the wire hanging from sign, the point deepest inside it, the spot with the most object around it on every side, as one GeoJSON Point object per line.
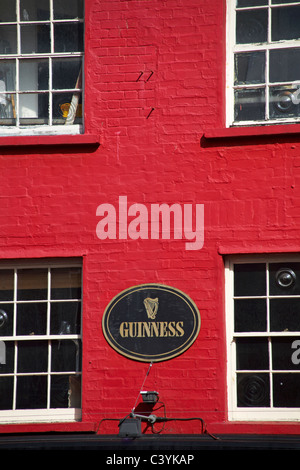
{"type": "Point", "coordinates": [147, 373]}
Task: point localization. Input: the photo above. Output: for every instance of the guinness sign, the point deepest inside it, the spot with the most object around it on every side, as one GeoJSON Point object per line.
{"type": "Point", "coordinates": [151, 322]}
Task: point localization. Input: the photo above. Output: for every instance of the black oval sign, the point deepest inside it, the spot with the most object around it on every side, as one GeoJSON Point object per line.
{"type": "Point", "coordinates": [151, 322]}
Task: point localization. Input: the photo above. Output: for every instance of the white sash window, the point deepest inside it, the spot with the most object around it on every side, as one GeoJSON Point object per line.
{"type": "Point", "coordinates": [41, 66]}
{"type": "Point", "coordinates": [40, 338]}
{"type": "Point", "coordinates": [263, 62]}
{"type": "Point", "coordinates": [263, 338]}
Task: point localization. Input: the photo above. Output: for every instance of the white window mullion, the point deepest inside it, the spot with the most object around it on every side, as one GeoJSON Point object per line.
{"type": "Point", "coordinates": [51, 27]}
{"type": "Point", "coordinates": [50, 109]}
{"type": "Point", "coordinates": [267, 89]}
{"type": "Point", "coordinates": [15, 342]}
{"type": "Point", "coordinates": [15, 375]}
{"type": "Point", "coordinates": [268, 297]}
{"type": "Point", "coordinates": [48, 375]}
{"type": "Point", "coordinates": [230, 25]}
{"type": "Point", "coordinates": [231, 344]}
{"type": "Point", "coordinates": [49, 341]}
{"type": "Point", "coordinates": [17, 100]}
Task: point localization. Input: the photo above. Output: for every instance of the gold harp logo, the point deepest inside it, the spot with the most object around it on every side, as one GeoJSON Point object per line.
{"type": "Point", "coordinates": [151, 306]}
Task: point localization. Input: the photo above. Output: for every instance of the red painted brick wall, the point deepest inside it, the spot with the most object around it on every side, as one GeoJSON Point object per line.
{"type": "Point", "coordinates": [154, 84]}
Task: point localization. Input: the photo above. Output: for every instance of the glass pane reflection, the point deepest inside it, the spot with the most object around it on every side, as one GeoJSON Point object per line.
{"type": "Point", "coordinates": [252, 26]}
{"type": "Point", "coordinates": [249, 67]}
{"type": "Point", "coordinates": [249, 104]}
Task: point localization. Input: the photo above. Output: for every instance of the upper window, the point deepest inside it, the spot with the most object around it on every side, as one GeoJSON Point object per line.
{"type": "Point", "coordinates": [41, 54]}
{"type": "Point", "coordinates": [263, 338]}
{"type": "Point", "coordinates": [263, 62]}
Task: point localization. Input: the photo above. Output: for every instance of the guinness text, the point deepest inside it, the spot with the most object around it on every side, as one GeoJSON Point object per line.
{"type": "Point", "coordinates": [161, 329]}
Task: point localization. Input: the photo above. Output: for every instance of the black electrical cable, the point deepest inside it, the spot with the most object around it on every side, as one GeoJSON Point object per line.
{"type": "Point", "coordinates": [152, 424]}
{"type": "Point", "coordinates": [106, 419]}
{"type": "Point", "coordinates": [160, 419]}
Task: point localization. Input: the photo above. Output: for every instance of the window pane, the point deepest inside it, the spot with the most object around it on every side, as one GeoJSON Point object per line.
{"type": "Point", "coordinates": [35, 38]}
{"type": "Point", "coordinates": [249, 105]}
{"type": "Point", "coordinates": [249, 68]}
{"type": "Point", "coordinates": [284, 65]}
{"type": "Point", "coordinates": [251, 3]}
{"type": "Point", "coordinates": [252, 353]}
{"type": "Point", "coordinates": [284, 103]}
{"type": "Point", "coordinates": [250, 315]}
{"type": "Point", "coordinates": [37, 10]}
{"type": "Point", "coordinates": [7, 75]}
{"type": "Point", "coordinates": [67, 9]}
{"type": "Point", "coordinates": [65, 283]}
{"type": "Point", "coordinates": [32, 284]}
{"type": "Point", "coordinates": [65, 391]}
{"type": "Point", "coordinates": [285, 314]}
{"type": "Point", "coordinates": [249, 279]}
{"type": "Point", "coordinates": [6, 284]}
{"type": "Point", "coordinates": [31, 392]}
{"type": "Point", "coordinates": [34, 108]}
{"type": "Point", "coordinates": [253, 390]}
{"type": "Point", "coordinates": [32, 356]}
{"type": "Point", "coordinates": [8, 11]}
{"type": "Point", "coordinates": [286, 390]}
{"type": "Point", "coordinates": [6, 325]}
{"type": "Point", "coordinates": [282, 352]}
{"type": "Point", "coordinates": [65, 107]}
{"type": "Point", "coordinates": [68, 37]}
{"type": "Point", "coordinates": [284, 279]}
{"type": "Point", "coordinates": [285, 23]}
{"type": "Point", "coordinates": [8, 39]}
{"type": "Point", "coordinates": [65, 318]}
{"type": "Point", "coordinates": [8, 367]}
{"type": "Point", "coordinates": [6, 393]}
{"type": "Point", "coordinates": [31, 319]}
{"type": "Point", "coordinates": [251, 26]}
{"type": "Point", "coordinates": [65, 356]}
{"type": "Point", "coordinates": [274, 2]}
{"type": "Point", "coordinates": [7, 109]}
{"type": "Point", "coordinates": [34, 74]}
{"type": "Point", "coordinates": [66, 73]}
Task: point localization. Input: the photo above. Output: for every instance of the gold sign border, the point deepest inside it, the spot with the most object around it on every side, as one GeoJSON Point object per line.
{"type": "Point", "coordinates": [137, 356]}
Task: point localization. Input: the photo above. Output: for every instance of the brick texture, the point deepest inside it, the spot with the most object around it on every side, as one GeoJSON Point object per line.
{"type": "Point", "coordinates": [154, 83]}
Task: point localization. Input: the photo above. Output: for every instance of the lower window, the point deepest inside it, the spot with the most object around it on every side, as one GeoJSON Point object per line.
{"type": "Point", "coordinates": [40, 341]}
{"type": "Point", "coordinates": [263, 337]}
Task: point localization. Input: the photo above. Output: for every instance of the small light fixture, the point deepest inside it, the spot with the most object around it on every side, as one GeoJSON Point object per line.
{"type": "Point", "coordinates": [3, 317]}
{"type": "Point", "coordinates": [285, 277]}
{"type": "Point", "coordinates": [284, 101]}
{"type": "Point", "coordinates": [150, 397]}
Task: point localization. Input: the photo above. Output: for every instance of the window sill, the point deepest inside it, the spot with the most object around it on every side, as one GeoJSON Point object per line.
{"type": "Point", "coordinates": [253, 131]}
{"type": "Point", "coordinates": [49, 140]}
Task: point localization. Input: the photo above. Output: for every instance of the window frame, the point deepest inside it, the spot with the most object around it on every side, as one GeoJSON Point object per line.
{"type": "Point", "coordinates": [48, 128]}
{"type": "Point", "coordinates": [30, 415]}
{"type": "Point", "coordinates": [233, 48]}
{"type": "Point", "coordinates": [236, 413]}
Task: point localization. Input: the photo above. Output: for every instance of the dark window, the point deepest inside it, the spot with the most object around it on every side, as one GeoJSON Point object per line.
{"type": "Point", "coordinates": [41, 50]}
{"type": "Point", "coordinates": [40, 334]}
{"type": "Point", "coordinates": [266, 301]}
{"type": "Point", "coordinates": [266, 53]}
